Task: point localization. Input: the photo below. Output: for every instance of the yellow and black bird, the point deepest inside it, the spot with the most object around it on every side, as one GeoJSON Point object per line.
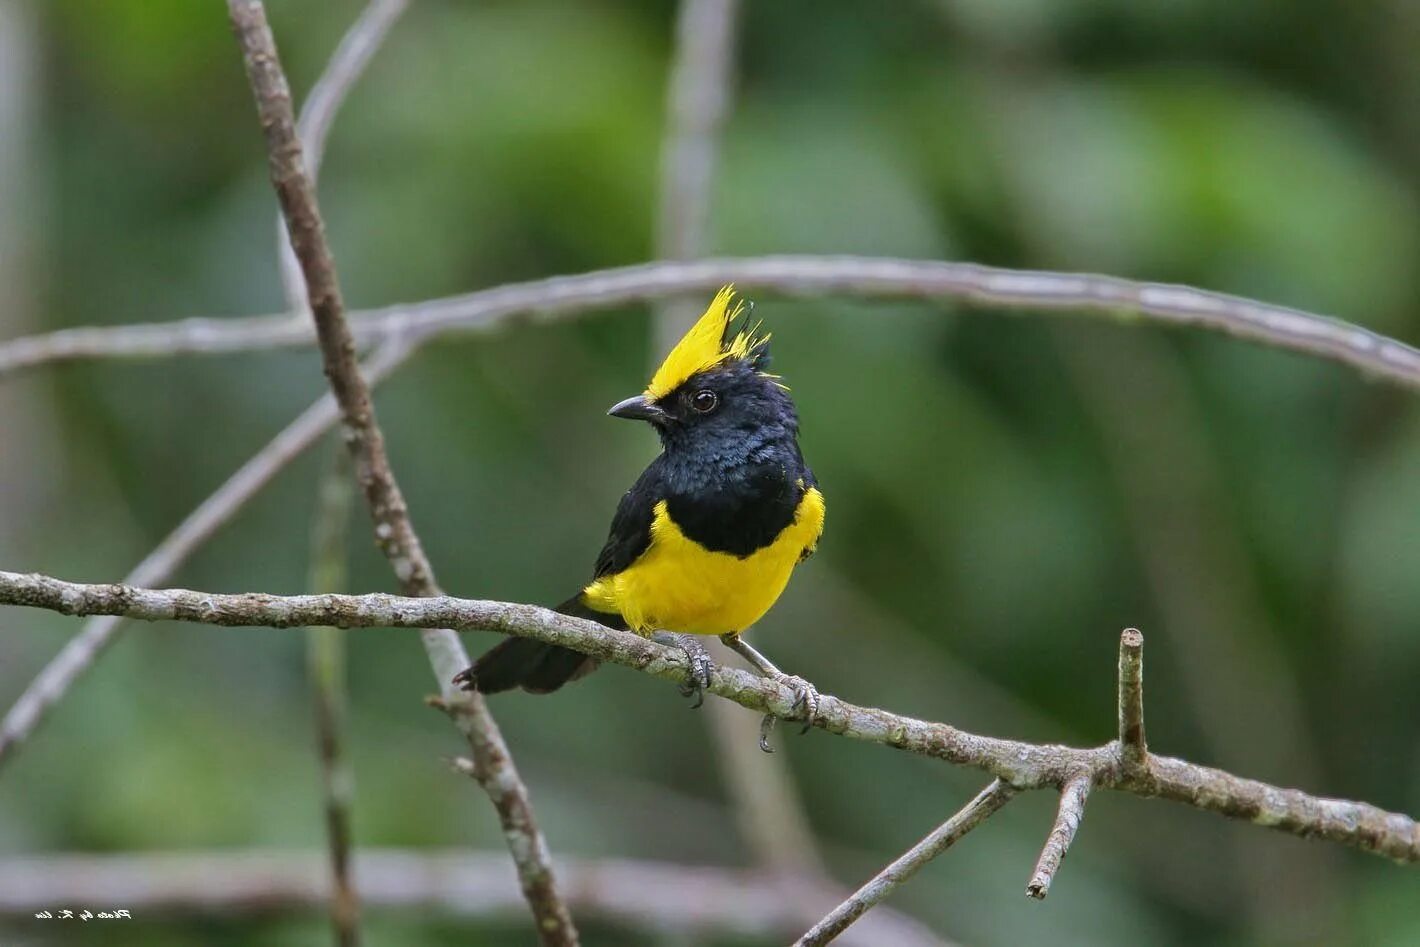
{"type": "Point", "coordinates": [706, 539]}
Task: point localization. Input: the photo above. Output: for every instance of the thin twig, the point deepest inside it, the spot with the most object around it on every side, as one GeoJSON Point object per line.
{"type": "Point", "coordinates": [394, 533]}
{"type": "Point", "coordinates": [892, 877]}
{"type": "Point", "coordinates": [1021, 765]}
{"type": "Point", "coordinates": [697, 902]}
{"type": "Point", "coordinates": [78, 655]}
{"type": "Point", "coordinates": [1073, 796]}
{"type": "Point", "coordinates": [357, 48]}
{"type": "Point", "coordinates": [1026, 291]}
{"type": "Point", "coordinates": [325, 666]}
{"type": "Point", "coordinates": [1133, 748]}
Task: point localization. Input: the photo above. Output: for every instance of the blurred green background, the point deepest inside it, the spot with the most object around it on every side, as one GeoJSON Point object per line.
{"type": "Point", "coordinates": [1005, 494]}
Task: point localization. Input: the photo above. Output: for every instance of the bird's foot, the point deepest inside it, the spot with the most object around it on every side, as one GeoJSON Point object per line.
{"type": "Point", "coordinates": [465, 679]}
{"type": "Point", "coordinates": [805, 695]}
{"type": "Point", "coordinates": [805, 706]}
{"type": "Point", "coordinates": [697, 661]}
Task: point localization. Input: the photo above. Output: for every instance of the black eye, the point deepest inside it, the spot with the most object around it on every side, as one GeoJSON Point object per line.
{"type": "Point", "coordinates": [704, 401]}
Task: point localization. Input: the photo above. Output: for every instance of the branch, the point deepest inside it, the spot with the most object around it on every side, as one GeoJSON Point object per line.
{"type": "Point", "coordinates": [394, 533]}
{"type": "Point", "coordinates": [1073, 796]}
{"type": "Point", "coordinates": [900, 871]}
{"type": "Point", "coordinates": [695, 901]}
{"type": "Point", "coordinates": [869, 277]}
{"type": "Point", "coordinates": [1019, 765]}
{"type": "Point", "coordinates": [1133, 748]}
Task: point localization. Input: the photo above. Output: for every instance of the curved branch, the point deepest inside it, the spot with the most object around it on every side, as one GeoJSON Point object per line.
{"type": "Point", "coordinates": [560, 296]}
{"type": "Point", "coordinates": [1020, 765]}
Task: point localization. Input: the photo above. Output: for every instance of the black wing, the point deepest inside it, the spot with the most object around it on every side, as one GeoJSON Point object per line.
{"type": "Point", "coordinates": [630, 534]}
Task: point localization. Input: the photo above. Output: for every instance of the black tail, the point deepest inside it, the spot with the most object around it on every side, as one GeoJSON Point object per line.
{"type": "Point", "coordinates": [535, 667]}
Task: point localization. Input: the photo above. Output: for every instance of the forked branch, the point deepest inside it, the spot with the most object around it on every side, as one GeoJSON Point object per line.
{"type": "Point", "coordinates": [1073, 771]}
{"type": "Point", "coordinates": [1017, 764]}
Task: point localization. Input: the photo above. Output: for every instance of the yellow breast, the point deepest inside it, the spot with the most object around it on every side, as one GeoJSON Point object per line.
{"type": "Point", "coordinates": [679, 585]}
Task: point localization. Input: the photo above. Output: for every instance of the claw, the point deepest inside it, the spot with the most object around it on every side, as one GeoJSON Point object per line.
{"type": "Point", "coordinates": [806, 698]}
{"type": "Point", "coordinates": [464, 679]}
{"type": "Point", "coordinates": [697, 661]}
{"type": "Point", "coordinates": [806, 702]}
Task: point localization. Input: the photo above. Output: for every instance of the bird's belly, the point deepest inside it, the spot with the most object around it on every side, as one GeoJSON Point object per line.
{"type": "Point", "coordinates": [679, 585]}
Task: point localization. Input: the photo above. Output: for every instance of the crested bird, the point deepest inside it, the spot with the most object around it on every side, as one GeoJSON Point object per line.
{"type": "Point", "coordinates": [706, 539]}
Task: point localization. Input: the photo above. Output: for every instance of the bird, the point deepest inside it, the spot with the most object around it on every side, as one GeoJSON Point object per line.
{"type": "Point", "coordinates": [705, 541]}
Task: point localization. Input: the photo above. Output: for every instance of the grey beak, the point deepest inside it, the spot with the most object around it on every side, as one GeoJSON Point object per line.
{"type": "Point", "coordinates": [637, 409]}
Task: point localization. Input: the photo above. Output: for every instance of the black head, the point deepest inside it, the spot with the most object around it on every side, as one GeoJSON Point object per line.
{"type": "Point", "coordinates": [713, 400]}
{"type": "Point", "coordinates": [726, 409]}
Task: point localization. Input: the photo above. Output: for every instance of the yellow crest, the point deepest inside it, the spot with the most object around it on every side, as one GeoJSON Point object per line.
{"type": "Point", "coordinates": [707, 344]}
